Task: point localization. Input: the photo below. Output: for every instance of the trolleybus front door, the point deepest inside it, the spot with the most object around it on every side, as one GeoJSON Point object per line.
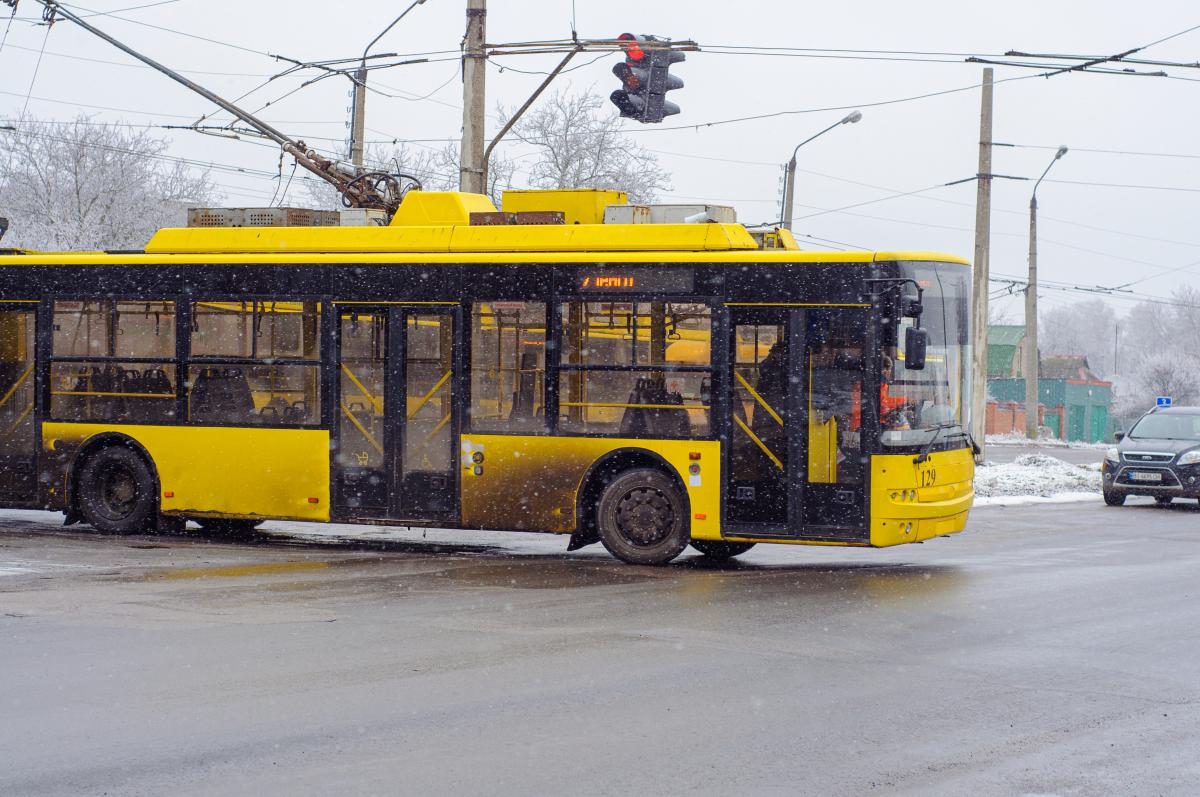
{"type": "Point", "coordinates": [18, 433]}
{"type": "Point", "coordinates": [795, 461]}
{"type": "Point", "coordinates": [394, 454]}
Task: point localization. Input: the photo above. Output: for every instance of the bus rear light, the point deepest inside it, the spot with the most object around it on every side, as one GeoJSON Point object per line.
{"type": "Point", "coordinates": [701, 516]}
{"type": "Point", "coordinates": [314, 500]}
{"type": "Point", "coordinates": [693, 455]}
{"type": "Point", "coordinates": [168, 494]}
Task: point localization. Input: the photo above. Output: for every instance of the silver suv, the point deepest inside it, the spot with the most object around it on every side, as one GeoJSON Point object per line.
{"type": "Point", "coordinates": [1159, 457]}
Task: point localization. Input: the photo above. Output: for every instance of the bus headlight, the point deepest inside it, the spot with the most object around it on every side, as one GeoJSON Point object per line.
{"type": "Point", "coordinates": [1190, 457]}
{"type": "Point", "coordinates": [1114, 456]}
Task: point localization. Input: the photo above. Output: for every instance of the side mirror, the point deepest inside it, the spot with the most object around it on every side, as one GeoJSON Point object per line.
{"type": "Point", "coordinates": [1118, 436]}
{"type": "Point", "coordinates": [916, 341]}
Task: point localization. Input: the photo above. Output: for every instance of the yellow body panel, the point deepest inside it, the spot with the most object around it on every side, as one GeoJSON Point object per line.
{"type": "Point", "coordinates": [505, 238]}
{"type": "Point", "coordinates": [911, 502]}
{"type": "Point", "coordinates": [224, 471]}
{"type": "Point", "coordinates": [532, 482]}
{"type": "Point", "coordinates": [427, 208]}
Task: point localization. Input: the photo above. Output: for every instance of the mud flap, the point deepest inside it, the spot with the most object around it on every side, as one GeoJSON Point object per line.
{"type": "Point", "coordinates": [583, 537]}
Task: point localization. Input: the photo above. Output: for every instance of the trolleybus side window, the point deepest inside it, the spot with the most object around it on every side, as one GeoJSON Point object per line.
{"type": "Point", "coordinates": [113, 361]}
{"type": "Point", "coordinates": [636, 368]}
{"type": "Point", "coordinates": [255, 363]}
{"type": "Point", "coordinates": [508, 367]}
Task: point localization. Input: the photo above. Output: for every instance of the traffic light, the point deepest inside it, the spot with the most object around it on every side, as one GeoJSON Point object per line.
{"type": "Point", "coordinates": [646, 78]}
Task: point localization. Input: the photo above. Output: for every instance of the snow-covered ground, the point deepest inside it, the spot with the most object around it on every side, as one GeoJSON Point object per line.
{"type": "Point", "coordinates": [1036, 478]}
{"type": "Point", "coordinates": [1015, 439]}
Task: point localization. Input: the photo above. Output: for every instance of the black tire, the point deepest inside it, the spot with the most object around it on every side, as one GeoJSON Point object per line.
{"type": "Point", "coordinates": [1114, 498]}
{"type": "Point", "coordinates": [226, 527]}
{"type": "Point", "coordinates": [116, 491]}
{"type": "Point", "coordinates": [642, 518]}
{"type": "Point", "coordinates": [1163, 500]}
{"type": "Point", "coordinates": [719, 551]}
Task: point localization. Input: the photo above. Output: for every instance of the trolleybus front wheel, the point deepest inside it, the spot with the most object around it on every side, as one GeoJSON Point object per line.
{"type": "Point", "coordinates": [719, 551]}
{"type": "Point", "coordinates": [116, 491]}
{"type": "Point", "coordinates": [642, 518]}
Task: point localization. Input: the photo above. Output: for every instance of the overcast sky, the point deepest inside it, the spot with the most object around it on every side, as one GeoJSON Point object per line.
{"type": "Point", "coordinates": [1090, 234]}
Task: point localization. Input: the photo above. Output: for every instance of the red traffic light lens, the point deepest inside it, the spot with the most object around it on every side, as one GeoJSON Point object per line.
{"type": "Point", "coordinates": [632, 51]}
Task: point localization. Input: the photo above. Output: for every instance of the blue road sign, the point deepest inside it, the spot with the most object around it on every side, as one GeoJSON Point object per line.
{"type": "Point", "coordinates": [1162, 401]}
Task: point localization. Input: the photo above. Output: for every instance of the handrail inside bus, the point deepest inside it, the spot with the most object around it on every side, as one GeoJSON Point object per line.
{"type": "Point", "coordinates": [358, 425]}
{"type": "Point", "coordinates": [376, 403]}
{"type": "Point", "coordinates": [20, 380]}
{"type": "Point", "coordinates": [425, 399]}
{"type": "Point", "coordinates": [758, 398]}
{"type": "Point", "coordinates": [763, 446]}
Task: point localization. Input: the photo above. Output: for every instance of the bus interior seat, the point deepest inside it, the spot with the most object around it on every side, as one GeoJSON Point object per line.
{"type": "Point", "coordinates": [523, 398]}
{"type": "Point", "coordinates": [655, 420]}
{"type": "Point", "coordinates": [222, 395]}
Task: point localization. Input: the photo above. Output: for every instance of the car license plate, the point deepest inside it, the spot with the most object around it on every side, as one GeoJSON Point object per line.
{"type": "Point", "coordinates": [1144, 476]}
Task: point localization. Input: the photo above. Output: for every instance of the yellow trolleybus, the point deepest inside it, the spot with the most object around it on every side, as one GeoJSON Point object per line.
{"type": "Point", "coordinates": [646, 386]}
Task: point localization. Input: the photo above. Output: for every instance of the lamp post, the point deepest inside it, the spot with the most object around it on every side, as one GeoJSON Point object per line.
{"type": "Point", "coordinates": [1031, 342]}
{"type": "Point", "coordinates": [359, 118]}
{"type": "Point", "coordinates": [790, 194]}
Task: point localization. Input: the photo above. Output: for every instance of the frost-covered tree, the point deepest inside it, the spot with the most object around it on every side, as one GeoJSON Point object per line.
{"type": "Point", "coordinates": [1087, 327]}
{"type": "Point", "coordinates": [579, 144]}
{"type": "Point", "coordinates": [78, 185]}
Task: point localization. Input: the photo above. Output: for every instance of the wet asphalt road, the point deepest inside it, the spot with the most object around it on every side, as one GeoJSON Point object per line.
{"type": "Point", "coordinates": [1049, 650]}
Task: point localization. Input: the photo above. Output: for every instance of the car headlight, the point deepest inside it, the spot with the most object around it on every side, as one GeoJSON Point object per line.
{"type": "Point", "coordinates": [1190, 457]}
{"type": "Point", "coordinates": [1114, 456]}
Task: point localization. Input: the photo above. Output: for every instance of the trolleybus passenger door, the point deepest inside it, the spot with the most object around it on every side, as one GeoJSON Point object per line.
{"type": "Point", "coordinates": [795, 463]}
{"type": "Point", "coordinates": [364, 456]}
{"type": "Point", "coordinates": [428, 467]}
{"type": "Point", "coordinates": [18, 432]}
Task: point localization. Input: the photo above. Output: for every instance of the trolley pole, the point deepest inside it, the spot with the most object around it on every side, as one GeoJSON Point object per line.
{"type": "Point", "coordinates": [983, 248]}
{"type": "Point", "coordinates": [471, 170]}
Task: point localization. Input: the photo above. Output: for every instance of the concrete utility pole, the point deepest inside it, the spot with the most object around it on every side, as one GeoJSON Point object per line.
{"type": "Point", "coordinates": [983, 251]}
{"type": "Point", "coordinates": [1031, 341]}
{"type": "Point", "coordinates": [471, 167]}
{"type": "Point", "coordinates": [359, 117]}
{"type": "Point", "coordinates": [789, 196]}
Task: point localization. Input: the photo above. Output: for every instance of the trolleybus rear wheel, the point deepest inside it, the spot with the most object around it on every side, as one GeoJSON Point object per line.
{"type": "Point", "coordinates": [116, 491]}
{"type": "Point", "coordinates": [642, 518]}
{"type": "Point", "coordinates": [719, 551]}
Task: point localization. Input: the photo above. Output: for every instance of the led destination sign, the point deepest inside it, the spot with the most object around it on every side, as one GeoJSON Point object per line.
{"type": "Point", "coordinates": [640, 280]}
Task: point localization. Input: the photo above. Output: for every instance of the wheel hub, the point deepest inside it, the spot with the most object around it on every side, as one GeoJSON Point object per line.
{"type": "Point", "coordinates": [644, 516]}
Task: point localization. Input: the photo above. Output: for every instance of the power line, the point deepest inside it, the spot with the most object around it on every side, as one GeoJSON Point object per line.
{"type": "Point", "coordinates": [1104, 151]}
{"type": "Point", "coordinates": [858, 105]}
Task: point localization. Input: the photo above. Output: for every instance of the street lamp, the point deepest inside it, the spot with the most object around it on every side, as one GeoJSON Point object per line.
{"type": "Point", "coordinates": [358, 123]}
{"type": "Point", "coordinates": [1031, 342]}
{"type": "Point", "coordinates": [790, 191]}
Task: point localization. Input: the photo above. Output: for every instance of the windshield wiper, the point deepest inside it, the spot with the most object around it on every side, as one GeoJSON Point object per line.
{"type": "Point", "coordinates": [937, 430]}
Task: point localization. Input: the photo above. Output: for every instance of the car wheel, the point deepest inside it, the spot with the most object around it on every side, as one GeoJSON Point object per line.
{"type": "Point", "coordinates": [642, 518]}
{"type": "Point", "coordinates": [1113, 498]}
{"type": "Point", "coordinates": [1162, 500]}
{"type": "Point", "coordinates": [719, 551]}
{"type": "Point", "coordinates": [116, 491]}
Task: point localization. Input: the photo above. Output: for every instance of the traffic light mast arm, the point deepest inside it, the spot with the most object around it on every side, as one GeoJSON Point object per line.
{"type": "Point", "coordinates": [359, 193]}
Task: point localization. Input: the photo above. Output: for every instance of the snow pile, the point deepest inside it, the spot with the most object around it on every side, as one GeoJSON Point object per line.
{"type": "Point", "coordinates": [1036, 476]}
